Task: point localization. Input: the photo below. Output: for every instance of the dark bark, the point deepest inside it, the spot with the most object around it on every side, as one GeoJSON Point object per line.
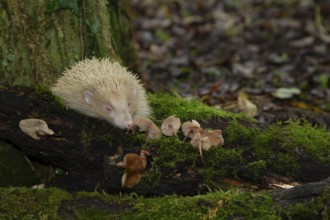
{"type": "Point", "coordinates": [302, 193]}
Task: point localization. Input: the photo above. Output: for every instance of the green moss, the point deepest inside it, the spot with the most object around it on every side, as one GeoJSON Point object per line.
{"type": "Point", "coordinates": [216, 205]}
{"type": "Point", "coordinates": [255, 170]}
{"type": "Point", "coordinates": [235, 131]}
{"type": "Point", "coordinates": [165, 105]}
{"type": "Point", "coordinates": [281, 146]}
{"type": "Point", "coordinates": [23, 203]}
{"type": "Point", "coordinates": [222, 162]}
{"type": "Point", "coordinates": [94, 213]}
{"type": "Point", "coordinates": [309, 142]}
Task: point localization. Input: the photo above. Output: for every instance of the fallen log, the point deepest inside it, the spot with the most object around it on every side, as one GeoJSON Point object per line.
{"type": "Point", "coordinates": [82, 148]}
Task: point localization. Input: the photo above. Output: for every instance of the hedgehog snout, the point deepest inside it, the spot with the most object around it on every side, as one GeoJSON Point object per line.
{"type": "Point", "coordinates": [124, 121]}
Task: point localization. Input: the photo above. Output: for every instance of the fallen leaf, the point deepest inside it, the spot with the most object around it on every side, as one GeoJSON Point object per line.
{"type": "Point", "coordinates": [285, 93]}
{"type": "Point", "coordinates": [246, 106]}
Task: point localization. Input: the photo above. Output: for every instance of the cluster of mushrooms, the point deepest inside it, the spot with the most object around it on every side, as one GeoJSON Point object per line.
{"type": "Point", "coordinates": [201, 139]}
{"type": "Point", "coordinates": [134, 164]}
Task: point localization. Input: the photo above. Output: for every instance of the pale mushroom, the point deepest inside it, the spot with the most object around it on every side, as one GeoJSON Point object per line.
{"type": "Point", "coordinates": [154, 133]}
{"type": "Point", "coordinates": [214, 136]}
{"type": "Point", "coordinates": [170, 126]}
{"type": "Point", "coordinates": [201, 143]}
{"type": "Point", "coordinates": [148, 126]}
{"type": "Point", "coordinates": [189, 128]}
{"type": "Point", "coordinates": [35, 128]}
{"type": "Point", "coordinates": [142, 123]}
{"type": "Point", "coordinates": [204, 140]}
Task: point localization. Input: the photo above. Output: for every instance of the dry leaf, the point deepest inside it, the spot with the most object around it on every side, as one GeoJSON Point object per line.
{"type": "Point", "coordinates": [246, 106]}
{"type": "Point", "coordinates": [35, 128]}
{"type": "Point", "coordinates": [170, 126]}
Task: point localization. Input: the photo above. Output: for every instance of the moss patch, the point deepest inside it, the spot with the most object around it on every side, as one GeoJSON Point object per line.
{"type": "Point", "coordinates": [165, 105]}
{"type": "Point", "coordinates": [23, 203]}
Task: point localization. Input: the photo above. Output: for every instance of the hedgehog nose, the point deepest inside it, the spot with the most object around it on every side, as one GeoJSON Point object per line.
{"type": "Point", "coordinates": [129, 125]}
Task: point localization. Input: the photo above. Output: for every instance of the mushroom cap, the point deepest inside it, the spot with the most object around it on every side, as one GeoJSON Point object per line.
{"type": "Point", "coordinates": [35, 128]}
{"type": "Point", "coordinates": [201, 142]}
{"type": "Point", "coordinates": [215, 137]}
{"type": "Point", "coordinates": [170, 126]}
{"type": "Point", "coordinates": [142, 123]}
{"type": "Point", "coordinates": [189, 128]}
{"type": "Point", "coordinates": [148, 126]}
{"type": "Point", "coordinates": [134, 163]}
{"type": "Point", "coordinates": [154, 133]}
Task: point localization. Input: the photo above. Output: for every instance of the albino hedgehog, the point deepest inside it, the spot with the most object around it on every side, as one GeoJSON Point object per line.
{"type": "Point", "coordinates": [103, 89]}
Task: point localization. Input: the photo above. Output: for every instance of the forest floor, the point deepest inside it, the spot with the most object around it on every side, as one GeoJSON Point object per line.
{"type": "Point", "coordinates": [270, 59]}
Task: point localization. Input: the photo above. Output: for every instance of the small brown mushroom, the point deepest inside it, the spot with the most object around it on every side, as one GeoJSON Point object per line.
{"type": "Point", "coordinates": [35, 128]}
{"type": "Point", "coordinates": [170, 126]}
{"type": "Point", "coordinates": [134, 164]}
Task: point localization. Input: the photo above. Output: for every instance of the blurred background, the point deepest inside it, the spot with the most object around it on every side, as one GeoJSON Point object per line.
{"type": "Point", "coordinates": [267, 58]}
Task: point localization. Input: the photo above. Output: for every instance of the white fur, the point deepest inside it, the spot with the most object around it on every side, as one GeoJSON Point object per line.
{"type": "Point", "coordinates": [93, 83]}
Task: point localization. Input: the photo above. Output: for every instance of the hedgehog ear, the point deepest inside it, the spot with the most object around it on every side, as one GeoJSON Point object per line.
{"type": "Point", "coordinates": [88, 96]}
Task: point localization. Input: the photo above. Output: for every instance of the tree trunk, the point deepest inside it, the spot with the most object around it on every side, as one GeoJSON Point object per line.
{"type": "Point", "coordinates": [39, 39]}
